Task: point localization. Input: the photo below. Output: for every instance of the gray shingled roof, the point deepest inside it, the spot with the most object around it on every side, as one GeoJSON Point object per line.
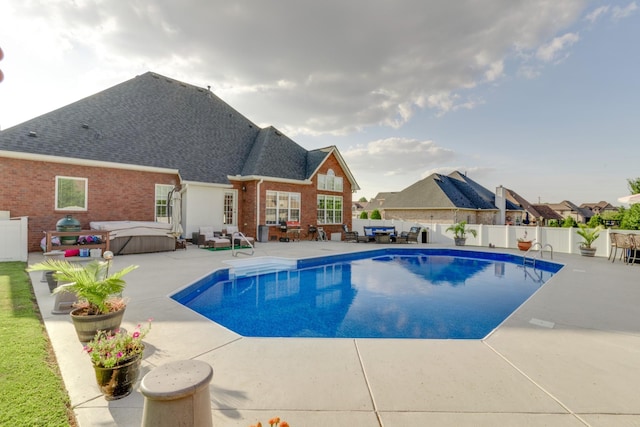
{"type": "Point", "coordinates": [440, 191]}
{"type": "Point", "coordinates": [534, 210]}
{"type": "Point", "coordinates": [546, 212]}
{"type": "Point", "coordinates": [155, 121]}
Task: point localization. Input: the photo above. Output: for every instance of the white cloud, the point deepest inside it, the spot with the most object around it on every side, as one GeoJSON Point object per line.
{"type": "Point", "coordinates": [396, 156]}
{"type": "Point", "coordinates": [319, 68]}
{"type": "Point", "coordinates": [624, 12]}
{"type": "Point", "coordinates": [552, 50]}
{"type": "Point", "coordinates": [616, 12]}
{"type": "Point", "coordinates": [597, 13]}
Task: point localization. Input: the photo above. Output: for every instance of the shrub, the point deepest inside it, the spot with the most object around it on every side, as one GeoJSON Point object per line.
{"type": "Point", "coordinates": [569, 222]}
{"type": "Point", "coordinates": [376, 214]}
{"type": "Point", "coordinates": [631, 218]}
{"type": "Point", "coordinates": [595, 221]}
{"type": "Point", "coordinates": [363, 215]}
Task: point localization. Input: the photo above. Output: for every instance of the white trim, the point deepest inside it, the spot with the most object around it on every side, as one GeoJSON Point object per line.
{"type": "Point", "coordinates": [333, 149]}
{"type": "Point", "coordinates": [185, 184]}
{"type": "Point", "coordinates": [242, 178]}
{"type": "Point", "coordinates": [83, 179]}
{"type": "Point", "coordinates": [83, 162]}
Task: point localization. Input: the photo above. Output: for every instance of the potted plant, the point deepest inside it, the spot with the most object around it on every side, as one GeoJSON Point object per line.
{"type": "Point", "coordinates": [589, 235]}
{"type": "Point", "coordinates": [460, 231]}
{"type": "Point", "coordinates": [100, 304]}
{"type": "Point", "coordinates": [116, 358]}
{"type": "Point", "coordinates": [273, 422]}
{"type": "Point", "coordinates": [524, 244]}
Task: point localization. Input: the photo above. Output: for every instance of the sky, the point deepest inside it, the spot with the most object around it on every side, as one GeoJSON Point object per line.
{"type": "Point", "coordinates": [542, 97]}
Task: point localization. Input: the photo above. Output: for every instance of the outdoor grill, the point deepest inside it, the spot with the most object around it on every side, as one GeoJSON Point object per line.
{"type": "Point", "coordinates": [312, 232]}
{"type": "Point", "coordinates": [290, 231]}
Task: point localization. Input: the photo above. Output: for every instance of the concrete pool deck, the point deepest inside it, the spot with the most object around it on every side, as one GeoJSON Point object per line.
{"type": "Point", "coordinates": [568, 357]}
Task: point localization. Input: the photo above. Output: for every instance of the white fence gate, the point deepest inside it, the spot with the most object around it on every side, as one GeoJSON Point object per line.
{"type": "Point", "coordinates": [13, 239]}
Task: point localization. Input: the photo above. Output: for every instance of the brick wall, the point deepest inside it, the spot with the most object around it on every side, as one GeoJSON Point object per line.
{"type": "Point", "coordinates": [308, 215]}
{"type": "Point", "coordinates": [113, 194]}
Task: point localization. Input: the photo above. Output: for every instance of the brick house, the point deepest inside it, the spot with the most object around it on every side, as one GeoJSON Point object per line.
{"type": "Point", "coordinates": [445, 199]}
{"type": "Point", "coordinates": [116, 155]}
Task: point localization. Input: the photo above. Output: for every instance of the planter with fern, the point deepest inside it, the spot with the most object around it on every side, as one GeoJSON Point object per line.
{"type": "Point", "coordinates": [100, 305]}
{"type": "Point", "coordinates": [589, 235]}
{"type": "Point", "coordinates": [460, 231]}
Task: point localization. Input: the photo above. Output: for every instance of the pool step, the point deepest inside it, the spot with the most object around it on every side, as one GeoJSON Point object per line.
{"type": "Point", "coordinates": [260, 265]}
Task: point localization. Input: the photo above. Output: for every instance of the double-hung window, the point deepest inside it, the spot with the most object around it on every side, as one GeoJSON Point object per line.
{"type": "Point", "coordinates": [162, 195]}
{"type": "Point", "coordinates": [282, 206]}
{"type": "Point", "coordinates": [329, 209]}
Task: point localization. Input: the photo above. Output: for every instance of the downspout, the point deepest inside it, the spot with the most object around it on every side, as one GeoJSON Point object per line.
{"type": "Point", "coordinates": [258, 208]}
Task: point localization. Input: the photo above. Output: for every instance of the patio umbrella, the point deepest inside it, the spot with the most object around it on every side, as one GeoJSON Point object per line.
{"type": "Point", "coordinates": [176, 213]}
{"type": "Point", "coordinates": [634, 198]}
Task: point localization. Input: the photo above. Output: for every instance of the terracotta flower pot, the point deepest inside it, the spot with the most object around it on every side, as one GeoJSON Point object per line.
{"type": "Point", "coordinates": [524, 246]}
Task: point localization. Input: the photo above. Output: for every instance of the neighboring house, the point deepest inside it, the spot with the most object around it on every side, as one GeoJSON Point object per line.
{"type": "Point", "coordinates": [444, 199]}
{"type": "Point", "coordinates": [599, 208]}
{"type": "Point", "coordinates": [357, 208]}
{"type": "Point", "coordinates": [116, 155]}
{"type": "Point", "coordinates": [547, 214]}
{"type": "Point", "coordinates": [568, 209]}
{"type": "Point", "coordinates": [532, 214]}
{"type": "Point", "coordinates": [378, 202]}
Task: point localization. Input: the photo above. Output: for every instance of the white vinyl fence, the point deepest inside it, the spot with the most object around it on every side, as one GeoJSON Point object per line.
{"type": "Point", "coordinates": [13, 239]}
{"type": "Point", "coordinates": [562, 240]}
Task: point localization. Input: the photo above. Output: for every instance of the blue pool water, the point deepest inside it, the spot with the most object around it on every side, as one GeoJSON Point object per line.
{"type": "Point", "coordinates": [387, 293]}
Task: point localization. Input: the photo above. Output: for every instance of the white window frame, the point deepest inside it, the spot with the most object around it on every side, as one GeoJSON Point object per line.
{"type": "Point", "coordinates": [229, 208]}
{"type": "Point", "coordinates": [330, 182]}
{"type": "Point", "coordinates": [327, 211]}
{"type": "Point", "coordinates": [162, 190]}
{"type": "Point", "coordinates": [83, 182]}
{"type": "Point", "coordinates": [285, 208]}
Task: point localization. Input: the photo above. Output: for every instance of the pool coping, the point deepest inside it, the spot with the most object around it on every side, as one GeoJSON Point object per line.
{"type": "Point", "coordinates": [566, 357]}
{"type": "Point", "coordinates": [270, 265]}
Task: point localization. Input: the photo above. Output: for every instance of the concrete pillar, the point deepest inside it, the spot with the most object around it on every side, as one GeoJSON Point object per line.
{"type": "Point", "coordinates": [177, 394]}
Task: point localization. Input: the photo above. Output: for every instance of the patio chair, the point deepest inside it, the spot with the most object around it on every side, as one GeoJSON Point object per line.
{"type": "Point", "coordinates": [614, 247]}
{"type": "Point", "coordinates": [239, 239]}
{"type": "Point", "coordinates": [623, 242]}
{"type": "Point", "coordinates": [634, 251]}
{"type": "Point", "coordinates": [211, 239]}
{"type": "Point", "coordinates": [351, 236]}
{"type": "Point", "coordinates": [409, 236]}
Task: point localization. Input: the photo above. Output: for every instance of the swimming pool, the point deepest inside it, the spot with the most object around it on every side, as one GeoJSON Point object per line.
{"type": "Point", "coordinates": [385, 293]}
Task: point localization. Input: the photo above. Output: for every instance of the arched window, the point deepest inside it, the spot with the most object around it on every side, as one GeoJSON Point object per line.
{"type": "Point", "coordinates": [329, 182]}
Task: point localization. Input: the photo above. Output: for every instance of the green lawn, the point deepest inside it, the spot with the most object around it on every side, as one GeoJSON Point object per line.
{"type": "Point", "coordinates": [31, 390]}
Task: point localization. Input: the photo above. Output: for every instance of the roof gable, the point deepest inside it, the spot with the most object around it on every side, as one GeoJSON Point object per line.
{"type": "Point", "coordinates": [455, 191]}
{"type": "Point", "coordinates": [478, 196]}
